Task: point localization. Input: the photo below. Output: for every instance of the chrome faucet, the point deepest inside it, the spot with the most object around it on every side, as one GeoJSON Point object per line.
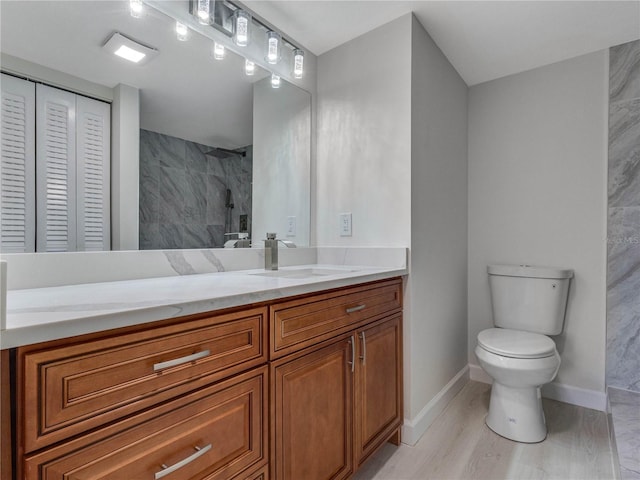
{"type": "Point", "coordinates": [271, 252]}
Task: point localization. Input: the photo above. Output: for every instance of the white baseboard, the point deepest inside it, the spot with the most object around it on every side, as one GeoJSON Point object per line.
{"type": "Point", "coordinates": [576, 396]}
{"type": "Point", "coordinates": [555, 391]}
{"type": "Point", "coordinates": [412, 430]}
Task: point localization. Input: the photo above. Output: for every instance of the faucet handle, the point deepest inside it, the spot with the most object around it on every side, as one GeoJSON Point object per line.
{"type": "Point", "coordinates": [271, 236]}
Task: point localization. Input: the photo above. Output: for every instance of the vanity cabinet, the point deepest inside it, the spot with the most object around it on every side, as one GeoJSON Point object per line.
{"type": "Point", "coordinates": [335, 403]}
{"type": "Point", "coordinates": [302, 388]}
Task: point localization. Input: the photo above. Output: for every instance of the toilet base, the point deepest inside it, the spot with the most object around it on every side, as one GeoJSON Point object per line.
{"type": "Point", "coordinates": [516, 413]}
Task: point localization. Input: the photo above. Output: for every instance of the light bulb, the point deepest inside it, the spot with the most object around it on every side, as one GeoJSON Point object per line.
{"type": "Point", "coordinates": [218, 51]}
{"type": "Point", "coordinates": [135, 8]}
{"type": "Point", "coordinates": [204, 12]}
{"type": "Point", "coordinates": [241, 23]}
{"type": "Point", "coordinates": [182, 32]}
{"type": "Point", "coordinates": [273, 47]}
{"type": "Point", "coordinates": [249, 67]}
{"type": "Point", "coordinates": [298, 63]}
{"type": "Point", "coordinates": [275, 80]}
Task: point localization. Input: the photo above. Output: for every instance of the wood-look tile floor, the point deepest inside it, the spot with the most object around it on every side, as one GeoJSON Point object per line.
{"type": "Point", "coordinates": [458, 445]}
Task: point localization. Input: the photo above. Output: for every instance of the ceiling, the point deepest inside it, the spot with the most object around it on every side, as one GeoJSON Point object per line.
{"type": "Point", "coordinates": [483, 40]}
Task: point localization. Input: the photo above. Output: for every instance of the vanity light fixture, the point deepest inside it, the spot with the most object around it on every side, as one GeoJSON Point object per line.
{"type": "Point", "coordinates": [273, 47]}
{"type": "Point", "coordinates": [249, 67]}
{"type": "Point", "coordinates": [203, 11]}
{"type": "Point", "coordinates": [298, 63]}
{"type": "Point", "coordinates": [182, 31]}
{"type": "Point", "coordinates": [275, 80]}
{"type": "Point", "coordinates": [218, 51]}
{"type": "Point", "coordinates": [135, 8]}
{"type": "Point", "coordinates": [125, 47]}
{"type": "Point", "coordinates": [241, 27]}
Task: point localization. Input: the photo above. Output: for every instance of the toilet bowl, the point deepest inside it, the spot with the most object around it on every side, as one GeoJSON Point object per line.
{"type": "Point", "coordinates": [518, 368]}
{"type": "Point", "coordinates": [528, 303]}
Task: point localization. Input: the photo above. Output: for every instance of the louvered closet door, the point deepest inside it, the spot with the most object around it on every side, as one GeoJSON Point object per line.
{"type": "Point", "coordinates": [56, 171]}
{"type": "Point", "coordinates": [93, 187]}
{"type": "Point", "coordinates": [17, 167]}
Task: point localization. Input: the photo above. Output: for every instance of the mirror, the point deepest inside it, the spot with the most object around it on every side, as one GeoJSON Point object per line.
{"type": "Point", "coordinates": [220, 152]}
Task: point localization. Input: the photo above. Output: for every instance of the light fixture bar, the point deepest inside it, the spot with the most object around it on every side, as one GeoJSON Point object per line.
{"type": "Point", "coordinates": [262, 24]}
{"type": "Point", "coordinates": [225, 10]}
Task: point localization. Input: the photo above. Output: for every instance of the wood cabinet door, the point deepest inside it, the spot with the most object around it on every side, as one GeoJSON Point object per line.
{"type": "Point", "coordinates": [378, 385]}
{"type": "Point", "coordinates": [312, 402]}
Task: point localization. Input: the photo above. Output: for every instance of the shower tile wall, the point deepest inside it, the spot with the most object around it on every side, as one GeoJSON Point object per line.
{"type": "Point", "coordinates": [623, 282]}
{"type": "Point", "coordinates": [183, 193]}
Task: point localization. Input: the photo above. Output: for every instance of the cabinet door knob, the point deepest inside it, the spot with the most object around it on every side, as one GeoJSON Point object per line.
{"type": "Point", "coordinates": [167, 470]}
{"type": "Point", "coordinates": [179, 361]}
{"type": "Point", "coordinates": [363, 357]}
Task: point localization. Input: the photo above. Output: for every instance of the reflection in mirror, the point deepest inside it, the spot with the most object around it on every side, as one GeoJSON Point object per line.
{"type": "Point", "coordinates": [202, 173]}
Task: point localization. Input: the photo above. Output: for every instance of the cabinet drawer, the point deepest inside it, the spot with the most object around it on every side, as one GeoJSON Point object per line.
{"type": "Point", "coordinates": [299, 323]}
{"type": "Point", "coordinates": [214, 433]}
{"type": "Point", "coordinates": [71, 389]}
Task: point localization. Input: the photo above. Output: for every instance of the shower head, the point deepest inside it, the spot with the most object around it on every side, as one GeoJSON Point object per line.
{"type": "Point", "coordinates": [225, 153]}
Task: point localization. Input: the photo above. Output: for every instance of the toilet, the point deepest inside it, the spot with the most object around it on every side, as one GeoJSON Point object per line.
{"type": "Point", "coordinates": [529, 303]}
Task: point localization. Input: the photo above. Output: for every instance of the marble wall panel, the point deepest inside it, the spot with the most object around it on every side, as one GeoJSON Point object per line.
{"type": "Point", "coordinates": [624, 72]}
{"type": "Point", "coordinates": [623, 258]}
{"type": "Point", "coordinates": [624, 153]}
{"type": "Point", "coordinates": [183, 193]}
{"type": "Point", "coordinates": [196, 160]}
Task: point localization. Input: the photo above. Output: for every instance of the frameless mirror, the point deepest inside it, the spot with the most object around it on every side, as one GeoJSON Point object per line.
{"type": "Point", "coordinates": [220, 152]}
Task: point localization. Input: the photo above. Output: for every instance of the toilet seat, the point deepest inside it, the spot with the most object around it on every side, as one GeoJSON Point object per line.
{"type": "Point", "coordinates": [516, 343]}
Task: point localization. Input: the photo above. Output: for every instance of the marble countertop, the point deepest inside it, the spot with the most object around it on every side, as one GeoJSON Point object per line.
{"type": "Point", "coordinates": [42, 314]}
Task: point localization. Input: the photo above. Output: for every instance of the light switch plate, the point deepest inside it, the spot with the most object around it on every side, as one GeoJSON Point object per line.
{"type": "Point", "coordinates": [345, 224]}
{"type": "Point", "coordinates": [291, 226]}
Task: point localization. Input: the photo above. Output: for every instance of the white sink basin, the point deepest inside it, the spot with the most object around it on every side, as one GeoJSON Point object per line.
{"type": "Point", "coordinates": [303, 272]}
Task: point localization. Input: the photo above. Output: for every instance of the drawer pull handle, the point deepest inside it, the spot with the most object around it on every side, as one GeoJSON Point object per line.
{"type": "Point", "coordinates": [167, 470]}
{"type": "Point", "coordinates": [356, 309]}
{"type": "Point", "coordinates": [363, 357]}
{"type": "Point", "coordinates": [179, 361]}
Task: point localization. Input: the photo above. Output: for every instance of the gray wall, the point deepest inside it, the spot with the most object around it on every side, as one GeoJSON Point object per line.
{"type": "Point", "coordinates": [438, 331]}
{"type": "Point", "coordinates": [364, 138]}
{"type": "Point", "coordinates": [623, 281]}
{"type": "Point", "coordinates": [392, 149]}
{"type": "Point", "coordinates": [182, 193]}
{"type": "Point", "coordinates": [537, 195]}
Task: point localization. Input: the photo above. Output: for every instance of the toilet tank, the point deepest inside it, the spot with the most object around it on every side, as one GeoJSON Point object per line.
{"type": "Point", "coordinates": [529, 298]}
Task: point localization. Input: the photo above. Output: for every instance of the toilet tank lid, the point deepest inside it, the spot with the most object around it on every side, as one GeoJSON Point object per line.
{"type": "Point", "coordinates": [529, 271]}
